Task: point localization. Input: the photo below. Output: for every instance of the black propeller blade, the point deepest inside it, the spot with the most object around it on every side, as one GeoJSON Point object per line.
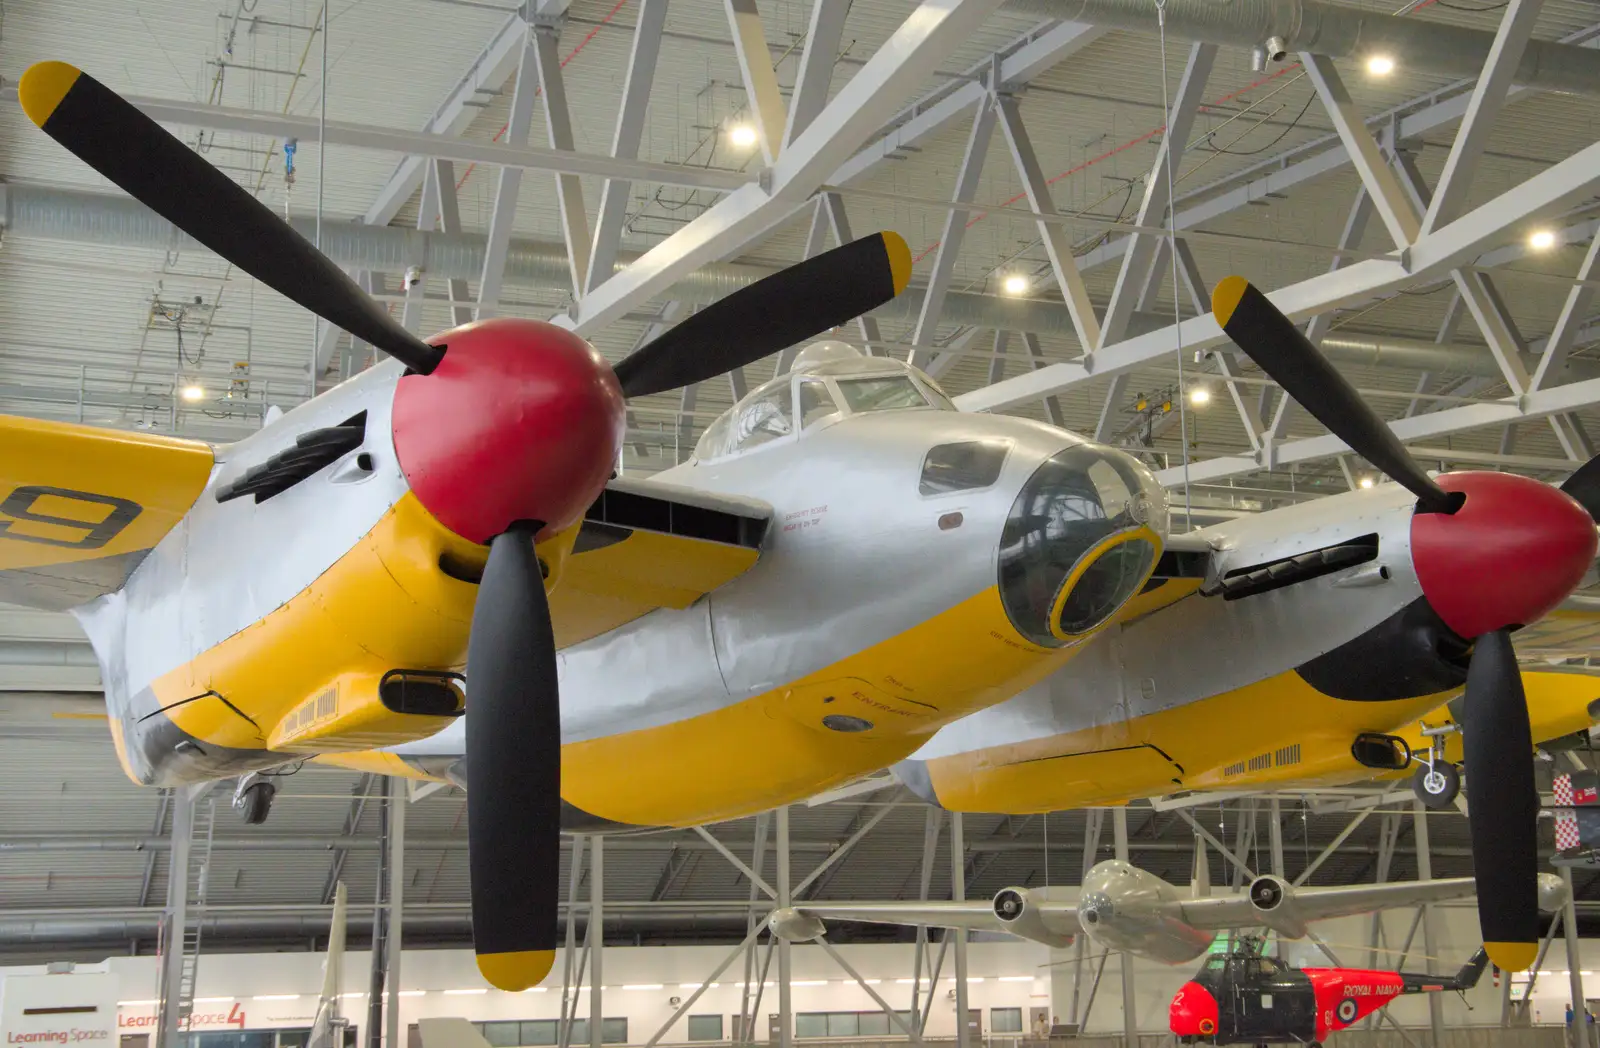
{"type": "Point", "coordinates": [513, 767]}
{"type": "Point", "coordinates": [1280, 349]}
{"type": "Point", "coordinates": [1502, 802]}
{"type": "Point", "coordinates": [130, 149]}
{"type": "Point", "coordinates": [773, 313]}
{"type": "Point", "coordinates": [1584, 485]}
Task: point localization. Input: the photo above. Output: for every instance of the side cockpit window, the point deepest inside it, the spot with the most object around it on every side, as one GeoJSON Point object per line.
{"type": "Point", "coordinates": [966, 466]}
{"type": "Point", "coordinates": [816, 403]}
{"type": "Point", "coordinates": [881, 393]}
{"type": "Point", "coordinates": [763, 418]}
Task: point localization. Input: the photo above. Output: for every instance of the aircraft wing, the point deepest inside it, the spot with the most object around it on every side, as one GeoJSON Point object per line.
{"type": "Point", "coordinates": [646, 545]}
{"type": "Point", "coordinates": [973, 915]}
{"type": "Point", "coordinates": [1313, 904]}
{"type": "Point", "coordinates": [81, 506]}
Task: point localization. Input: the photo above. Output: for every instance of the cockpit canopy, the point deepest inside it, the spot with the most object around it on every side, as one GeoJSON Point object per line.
{"type": "Point", "coordinates": [828, 382]}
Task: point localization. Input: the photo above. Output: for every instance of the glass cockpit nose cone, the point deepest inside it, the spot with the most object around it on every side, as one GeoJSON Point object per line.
{"type": "Point", "coordinates": [1081, 540]}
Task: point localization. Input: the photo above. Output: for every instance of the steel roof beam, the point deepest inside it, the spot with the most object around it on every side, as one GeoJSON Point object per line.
{"type": "Point", "coordinates": [955, 228]}
{"type": "Point", "coordinates": [760, 79]}
{"type": "Point", "coordinates": [503, 217]}
{"type": "Point", "coordinates": [910, 55]}
{"type": "Point", "coordinates": [558, 123]}
{"type": "Point", "coordinates": [1141, 253]}
{"type": "Point", "coordinates": [1462, 242]}
{"type": "Point", "coordinates": [625, 143]}
{"type": "Point", "coordinates": [815, 78]}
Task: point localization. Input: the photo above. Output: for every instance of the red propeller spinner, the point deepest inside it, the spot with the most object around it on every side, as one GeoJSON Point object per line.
{"type": "Point", "coordinates": [520, 421]}
{"type": "Point", "coordinates": [1513, 551]}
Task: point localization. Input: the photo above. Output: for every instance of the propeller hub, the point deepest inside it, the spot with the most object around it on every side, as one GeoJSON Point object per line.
{"type": "Point", "coordinates": [521, 420]}
{"type": "Point", "coordinates": [1513, 551]}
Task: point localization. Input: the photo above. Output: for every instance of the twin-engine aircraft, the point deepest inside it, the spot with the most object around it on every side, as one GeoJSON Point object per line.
{"type": "Point", "coordinates": [846, 566]}
{"type": "Point", "coordinates": [1121, 907]}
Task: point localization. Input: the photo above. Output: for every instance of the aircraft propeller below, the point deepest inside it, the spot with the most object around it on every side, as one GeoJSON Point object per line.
{"type": "Point", "coordinates": [514, 737]}
{"type": "Point", "coordinates": [1487, 569]}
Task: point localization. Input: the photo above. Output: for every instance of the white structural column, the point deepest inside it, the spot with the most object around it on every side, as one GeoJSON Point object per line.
{"type": "Point", "coordinates": [175, 919]}
{"type": "Point", "coordinates": [1052, 405]}
{"type": "Point", "coordinates": [912, 53]}
{"type": "Point", "coordinates": [1569, 922]}
{"type": "Point", "coordinates": [760, 80]}
{"type": "Point", "coordinates": [504, 216]}
{"type": "Point", "coordinates": [1429, 939]}
{"type": "Point", "coordinates": [958, 893]}
{"type": "Point", "coordinates": [815, 77]}
{"type": "Point", "coordinates": [1275, 835]}
{"type": "Point", "coordinates": [1376, 174]}
{"type": "Point", "coordinates": [1057, 243]}
{"type": "Point", "coordinates": [1574, 311]}
{"type": "Point", "coordinates": [558, 122]}
{"type": "Point", "coordinates": [597, 893]}
{"type": "Point", "coordinates": [1158, 192]}
{"type": "Point", "coordinates": [427, 221]}
{"type": "Point", "coordinates": [785, 1005]}
{"type": "Point", "coordinates": [625, 143]}
{"type": "Point", "coordinates": [1488, 97]}
{"type": "Point", "coordinates": [955, 228]}
{"type": "Point", "coordinates": [1130, 999]}
{"type": "Point", "coordinates": [395, 812]}
{"type": "Point", "coordinates": [450, 222]}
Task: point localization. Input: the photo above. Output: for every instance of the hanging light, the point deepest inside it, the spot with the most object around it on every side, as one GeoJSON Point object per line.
{"type": "Point", "coordinates": [1542, 240]}
{"type": "Point", "coordinates": [193, 393]}
{"type": "Point", "coordinates": [1380, 65]}
{"type": "Point", "coordinates": [743, 136]}
{"type": "Point", "coordinates": [1364, 482]}
{"type": "Point", "coordinates": [1015, 284]}
{"type": "Point", "coordinates": [1199, 395]}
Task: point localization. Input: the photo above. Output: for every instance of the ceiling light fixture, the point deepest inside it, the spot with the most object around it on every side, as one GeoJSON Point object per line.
{"type": "Point", "coordinates": [1015, 284]}
{"type": "Point", "coordinates": [276, 997]}
{"type": "Point", "coordinates": [644, 986]}
{"type": "Point", "coordinates": [743, 136]}
{"type": "Point", "coordinates": [1199, 395]}
{"type": "Point", "coordinates": [473, 992]}
{"type": "Point", "coordinates": [192, 393]}
{"type": "Point", "coordinates": [1365, 482]}
{"type": "Point", "coordinates": [1542, 240]}
{"type": "Point", "coordinates": [1380, 65]}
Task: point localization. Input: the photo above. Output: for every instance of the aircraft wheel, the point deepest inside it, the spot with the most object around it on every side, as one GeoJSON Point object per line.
{"type": "Point", "coordinates": [1437, 786]}
{"type": "Point", "coordinates": [255, 803]}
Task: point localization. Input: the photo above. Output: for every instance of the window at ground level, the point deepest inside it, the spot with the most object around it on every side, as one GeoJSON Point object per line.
{"type": "Point", "coordinates": [534, 1033]}
{"type": "Point", "coordinates": [705, 1027]}
{"type": "Point", "coordinates": [848, 1024]}
{"type": "Point", "coordinates": [1005, 1020]}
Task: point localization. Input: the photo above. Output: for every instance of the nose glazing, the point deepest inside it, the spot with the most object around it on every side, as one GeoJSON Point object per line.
{"type": "Point", "coordinates": [1080, 540]}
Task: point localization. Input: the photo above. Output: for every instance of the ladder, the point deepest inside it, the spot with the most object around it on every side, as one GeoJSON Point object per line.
{"type": "Point", "coordinates": [205, 821]}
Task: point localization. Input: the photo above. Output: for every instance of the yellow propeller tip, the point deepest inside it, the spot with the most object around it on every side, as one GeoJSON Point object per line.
{"type": "Point", "coordinates": [1512, 956]}
{"type": "Point", "coordinates": [1225, 297]}
{"type": "Point", "coordinates": [43, 86]}
{"type": "Point", "coordinates": [518, 970]}
{"type": "Point", "coordinates": [899, 252]}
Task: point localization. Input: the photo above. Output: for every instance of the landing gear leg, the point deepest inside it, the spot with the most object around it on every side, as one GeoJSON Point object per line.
{"type": "Point", "coordinates": [252, 798]}
{"type": "Point", "coordinates": [1437, 782]}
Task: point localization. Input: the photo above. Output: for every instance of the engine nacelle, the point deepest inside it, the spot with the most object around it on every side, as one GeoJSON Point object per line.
{"type": "Point", "coordinates": [1273, 898]}
{"type": "Point", "coordinates": [1125, 908]}
{"type": "Point", "coordinates": [1019, 910]}
{"type": "Point", "coordinates": [791, 925]}
{"type": "Point", "coordinates": [1552, 893]}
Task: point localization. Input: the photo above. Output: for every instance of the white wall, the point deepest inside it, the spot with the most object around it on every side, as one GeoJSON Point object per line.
{"type": "Point", "coordinates": [230, 987]}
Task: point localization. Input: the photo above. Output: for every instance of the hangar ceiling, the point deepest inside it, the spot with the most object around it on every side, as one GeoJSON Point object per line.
{"type": "Point", "coordinates": [1037, 140]}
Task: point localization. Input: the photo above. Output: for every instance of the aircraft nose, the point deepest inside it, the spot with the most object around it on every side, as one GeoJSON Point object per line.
{"type": "Point", "coordinates": [521, 421]}
{"type": "Point", "coordinates": [1080, 540]}
{"type": "Point", "coordinates": [1513, 551]}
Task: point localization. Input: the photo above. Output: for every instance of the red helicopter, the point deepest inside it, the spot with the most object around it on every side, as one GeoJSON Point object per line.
{"type": "Point", "coordinates": [1245, 997]}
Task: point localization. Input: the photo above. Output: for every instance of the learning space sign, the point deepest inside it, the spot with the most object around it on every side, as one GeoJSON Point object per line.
{"type": "Point", "coordinates": [71, 1009]}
